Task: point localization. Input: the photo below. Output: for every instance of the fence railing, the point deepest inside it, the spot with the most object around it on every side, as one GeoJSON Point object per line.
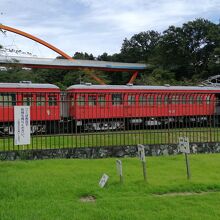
{"type": "Point", "coordinates": [68, 120]}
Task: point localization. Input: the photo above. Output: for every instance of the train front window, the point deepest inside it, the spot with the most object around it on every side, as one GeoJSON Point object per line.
{"type": "Point", "coordinates": [131, 99]}
{"type": "Point", "coordinates": [92, 100]}
{"type": "Point", "coordinates": [52, 100]}
{"type": "Point", "coordinates": [72, 99]}
{"type": "Point", "coordinates": [81, 100]}
{"type": "Point", "coordinates": [41, 100]}
{"type": "Point", "coordinates": [7, 99]}
{"type": "Point", "coordinates": [101, 100]}
{"type": "Point", "coordinates": [27, 99]}
{"type": "Point", "coordinates": [116, 99]}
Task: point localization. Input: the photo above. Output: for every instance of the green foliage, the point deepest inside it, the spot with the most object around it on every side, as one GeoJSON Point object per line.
{"type": "Point", "coordinates": [214, 62]}
{"type": "Point", "coordinates": [187, 50]}
{"type": "Point", "coordinates": [140, 47]}
{"type": "Point", "coordinates": [159, 77]}
{"type": "Point", "coordinates": [17, 75]}
{"type": "Point", "coordinates": [83, 56]}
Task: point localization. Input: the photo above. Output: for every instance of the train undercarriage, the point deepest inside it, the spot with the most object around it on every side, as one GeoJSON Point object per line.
{"type": "Point", "coordinates": [73, 126]}
{"type": "Point", "coordinates": [35, 128]}
{"type": "Point", "coordinates": [145, 123]}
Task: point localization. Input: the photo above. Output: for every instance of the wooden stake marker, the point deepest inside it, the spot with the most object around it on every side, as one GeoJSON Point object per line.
{"type": "Point", "coordinates": [141, 154]}
{"type": "Point", "coordinates": [119, 170]}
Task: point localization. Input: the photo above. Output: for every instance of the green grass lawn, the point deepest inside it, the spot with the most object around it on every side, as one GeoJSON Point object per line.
{"type": "Point", "coordinates": [51, 189]}
{"type": "Point", "coordinates": [152, 136]}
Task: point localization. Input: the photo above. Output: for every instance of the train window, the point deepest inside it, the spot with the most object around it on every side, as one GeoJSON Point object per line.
{"type": "Point", "coordinates": [142, 100]}
{"type": "Point", "coordinates": [184, 99]}
{"type": "Point", "coordinates": [81, 100]}
{"type": "Point", "coordinates": [116, 99]}
{"type": "Point", "coordinates": [131, 99]}
{"type": "Point", "coordinates": [208, 99]}
{"type": "Point", "coordinates": [175, 99]}
{"type": "Point", "coordinates": [7, 99]}
{"type": "Point", "coordinates": [92, 100]}
{"type": "Point", "coordinates": [41, 100]}
{"type": "Point", "coordinates": [191, 100]}
{"type": "Point", "coordinates": [27, 99]}
{"type": "Point", "coordinates": [166, 99]}
{"type": "Point", "coordinates": [52, 100]}
{"type": "Point", "coordinates": [199, 99]}
{"type": "Point", "coordinates": [101, 100]}
{"type": "Point", "coordinates": [159, 100]}
{"type": "Point", "coordinates": [150, 100]}
{"type": "Point", "coordinates": [72, 100]}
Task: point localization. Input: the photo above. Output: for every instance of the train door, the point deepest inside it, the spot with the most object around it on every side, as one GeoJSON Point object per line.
{"type": "Point", "coordinates": [130, 105]}
{"type": "Point", "coordinates": [217, 105]}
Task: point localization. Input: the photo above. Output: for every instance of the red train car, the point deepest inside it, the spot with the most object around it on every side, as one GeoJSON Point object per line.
{"type": "Point", "coordinates": [43, 100]}
{"type": "Point", "coordinates": [93, 105]}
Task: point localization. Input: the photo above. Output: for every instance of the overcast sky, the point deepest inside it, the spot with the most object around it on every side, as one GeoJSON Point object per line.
{"type": "Point", "coordinates": [95, 26]}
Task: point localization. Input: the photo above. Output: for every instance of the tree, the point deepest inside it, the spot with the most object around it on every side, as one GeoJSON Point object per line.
{"type": "Point", "coordinates": [157, 77]}
{"type": "Point", "coordinates": [104, 57]}
{"type": "Point", "coordinates": [214, 62]}
{"type": "Point", "coordinates": [140, 47]}
{"type": "Point", "coordinates": [201, 39]}
{"type": "Point", "coordinates": [83, 56]}
{"type": "Point", "coordinates": [187, 50]}
{"type": "Point", "coordinates": [18, 74]}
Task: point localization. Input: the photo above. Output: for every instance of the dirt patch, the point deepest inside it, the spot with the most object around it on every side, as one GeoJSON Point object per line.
{"type": "Point", "coordinates": [184, 193]}
{"type": "Point", "coordinates": [88, 199]}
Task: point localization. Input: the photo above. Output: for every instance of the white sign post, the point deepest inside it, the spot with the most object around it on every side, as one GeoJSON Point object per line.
{"type": "Point", "coordinates": [184, 145]}
{"type": "Point", "coordinates": [141, 154]}
{"type": "Point", "coordinates": [103, 180]}
{"type": "Point", "coordinates": [184, 148]}
{"type": "Point", "coordinates": [22, 131]}
{"type": "Point", "coordinates": [119, 170]}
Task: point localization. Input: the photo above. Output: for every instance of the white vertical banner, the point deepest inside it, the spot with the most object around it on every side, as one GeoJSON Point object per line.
{"type": "Point", "coordinates": [22, 131]}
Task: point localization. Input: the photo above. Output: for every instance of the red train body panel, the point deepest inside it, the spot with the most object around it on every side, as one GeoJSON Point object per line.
{"type": "Point", "coordinates": [43, 100]}
{"type": "Point", "coordinates": [103, 102]}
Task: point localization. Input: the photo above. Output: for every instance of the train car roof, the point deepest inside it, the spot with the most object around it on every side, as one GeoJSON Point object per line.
{"type": "Point", "coordinates": [28, 86]}
{"type": "Point", "coordinates": [132, 87]}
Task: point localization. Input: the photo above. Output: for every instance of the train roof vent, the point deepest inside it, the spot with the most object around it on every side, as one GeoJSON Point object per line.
{"type": "Point", "coordinates": [26, 82]}
{"type": "Point", "coordinates": [129, 84]}
{"type": "Point", "coordinates": [167, 85]}
{"type": "Point", "coordinates": [88, 84]}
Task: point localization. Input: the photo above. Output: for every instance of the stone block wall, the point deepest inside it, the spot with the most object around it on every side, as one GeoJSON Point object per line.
{"type": "Point", "coordinates": [105, 152]}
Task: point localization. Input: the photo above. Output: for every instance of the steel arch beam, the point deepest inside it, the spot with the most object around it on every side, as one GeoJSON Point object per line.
{"type": "Point", "coordinates": [63, 54]}
{"type": "Point", "coordinates": [24, 34]}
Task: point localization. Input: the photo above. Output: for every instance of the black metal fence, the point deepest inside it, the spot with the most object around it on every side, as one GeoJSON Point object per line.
{"type": "Point", "coordinates": [68, 120]}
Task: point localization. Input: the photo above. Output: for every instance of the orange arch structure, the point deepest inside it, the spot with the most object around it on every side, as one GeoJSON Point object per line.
{"type": "Point", "coordinates": [24, 34]}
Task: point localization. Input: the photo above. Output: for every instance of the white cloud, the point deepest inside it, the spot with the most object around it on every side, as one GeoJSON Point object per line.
{"type": "Point", "coordinates": [96, 26]}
